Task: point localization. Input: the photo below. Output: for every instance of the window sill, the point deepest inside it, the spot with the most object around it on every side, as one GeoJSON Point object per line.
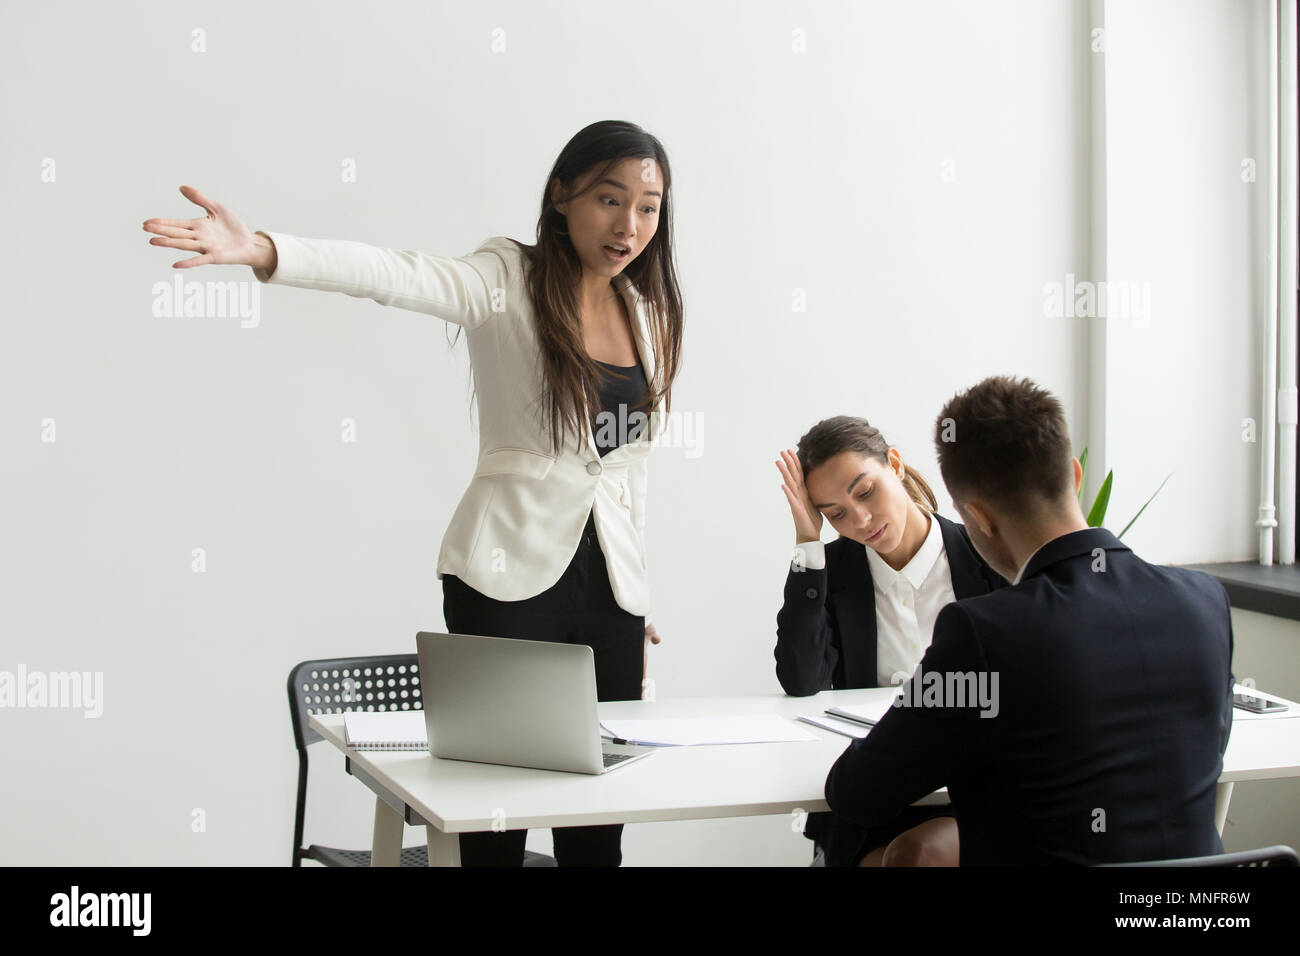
{"type": "Point", "coordinates": [1251, 587]}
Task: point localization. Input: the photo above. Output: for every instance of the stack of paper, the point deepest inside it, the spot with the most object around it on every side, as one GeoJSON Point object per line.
{"type": "Point", "coordinates": [852, 720]}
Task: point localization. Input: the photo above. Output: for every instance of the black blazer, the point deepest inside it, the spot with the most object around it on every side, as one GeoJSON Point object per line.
{"type": "Point", "coordinates": [1114, 705]}
{"type": "Point", "coordinates": [826, 629]}
{"type": "Point", "coordinates": [826, 640]}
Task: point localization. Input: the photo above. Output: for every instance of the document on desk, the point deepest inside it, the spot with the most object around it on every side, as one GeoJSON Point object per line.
{"type": "Point", "coordinates": [867, 714]}
{"type": "Point", "coordinates": [849, 728]}
{"type": "Point", "coordinates": [705, 731]}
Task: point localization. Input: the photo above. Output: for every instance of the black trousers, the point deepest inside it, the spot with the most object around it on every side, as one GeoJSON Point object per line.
{"type": "Point", "coordinates": [578, 609]}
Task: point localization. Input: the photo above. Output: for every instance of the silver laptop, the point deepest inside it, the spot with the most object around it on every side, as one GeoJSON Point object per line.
{"type": "Point", "coordinates": [522, 703]}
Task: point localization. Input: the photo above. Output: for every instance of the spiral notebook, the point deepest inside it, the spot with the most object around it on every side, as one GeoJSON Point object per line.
{"type": "Point", "coordinates": [385, 730]}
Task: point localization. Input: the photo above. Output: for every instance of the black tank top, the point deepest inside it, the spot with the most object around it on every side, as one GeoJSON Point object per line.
{"type": "Point", "coordinates": [622, 388]}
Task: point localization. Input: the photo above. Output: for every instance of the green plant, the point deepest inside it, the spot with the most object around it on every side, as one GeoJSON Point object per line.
{"type": "Point", "coordinates": [1097, 513]}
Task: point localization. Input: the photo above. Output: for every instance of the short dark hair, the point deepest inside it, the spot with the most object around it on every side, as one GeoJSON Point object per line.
{"type": "Point", "coordinates": [1005, 440]}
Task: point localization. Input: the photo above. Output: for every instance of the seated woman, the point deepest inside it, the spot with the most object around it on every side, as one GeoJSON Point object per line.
{"type": "Point", "coordinates": [859, 611]}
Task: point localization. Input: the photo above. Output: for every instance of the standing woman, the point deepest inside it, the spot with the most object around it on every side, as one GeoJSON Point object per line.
{"type": "Point", "coordinates": [859, 611]}
{"type": "Point", "coordinates": [574, 343]}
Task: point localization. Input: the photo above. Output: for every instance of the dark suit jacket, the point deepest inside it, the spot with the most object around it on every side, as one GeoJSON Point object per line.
{"type": "Point", "coordinates": [826, 638]}
{"type": "Point", "coordinates": [1113, 709]}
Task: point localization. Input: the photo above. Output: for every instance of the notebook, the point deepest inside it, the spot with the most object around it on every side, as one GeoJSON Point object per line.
{"type": "Point", "coordinates": [867, 715]}
{"type": "Point", "coordinates": [385, 730]}
{"type": "Point", "coordinates": [849, 728]}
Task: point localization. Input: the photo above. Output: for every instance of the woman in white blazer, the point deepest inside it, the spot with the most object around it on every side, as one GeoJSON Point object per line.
{"type": "Point", "coordinates": [574, 343]}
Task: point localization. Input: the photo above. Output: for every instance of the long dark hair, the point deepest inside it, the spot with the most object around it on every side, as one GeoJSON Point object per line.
{"type": "Point", "coordinates": [831, 436]}
{"type": "Point", "coordinates": [570, 376]}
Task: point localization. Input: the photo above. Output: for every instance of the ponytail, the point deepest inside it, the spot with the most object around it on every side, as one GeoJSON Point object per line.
{"type": "Point", "coordinates": [919, 490]}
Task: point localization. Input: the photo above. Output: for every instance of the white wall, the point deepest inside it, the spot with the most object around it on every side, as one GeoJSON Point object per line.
{"type": "Point", "coordinates": [824, 171]}
{"type": "Point", "coordinates": [1186, 105]}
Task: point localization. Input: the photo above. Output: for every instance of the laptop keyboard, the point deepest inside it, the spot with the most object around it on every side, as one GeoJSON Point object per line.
{"type": "Point", "coordinates": [612, 759]}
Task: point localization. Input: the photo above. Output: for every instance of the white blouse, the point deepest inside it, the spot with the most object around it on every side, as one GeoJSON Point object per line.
{"type": "Point", "coordinates": [907, 601]}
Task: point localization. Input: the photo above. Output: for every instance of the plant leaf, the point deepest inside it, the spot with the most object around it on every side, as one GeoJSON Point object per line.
{"type": "Point", "coordinates": [1098, 513]}
{"type": "Point", "coordinates": [1144, 507]}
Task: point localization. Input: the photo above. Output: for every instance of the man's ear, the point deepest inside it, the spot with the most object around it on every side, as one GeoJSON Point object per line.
{"type": "Point", "coordinates": [1078, 475]}
{"type": "Point", "coordinates": [975, 511]}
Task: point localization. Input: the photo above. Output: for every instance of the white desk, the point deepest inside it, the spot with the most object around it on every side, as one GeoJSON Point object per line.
{"type": "Point", "coordinates": [675, 783]}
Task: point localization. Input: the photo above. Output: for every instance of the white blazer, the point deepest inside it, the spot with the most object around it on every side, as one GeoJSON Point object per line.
{"type": "Point", "coordinates": [519, 522]}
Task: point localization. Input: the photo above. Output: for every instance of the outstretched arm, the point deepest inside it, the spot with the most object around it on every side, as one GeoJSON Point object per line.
{"type": "Point", "coordinates": [465, 290]}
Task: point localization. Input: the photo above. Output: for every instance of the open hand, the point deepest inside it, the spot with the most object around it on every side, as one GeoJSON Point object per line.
{"type": "Point", "coordinates": [220, 237]}
{"type": "Point", "coordinates": [807, 519]}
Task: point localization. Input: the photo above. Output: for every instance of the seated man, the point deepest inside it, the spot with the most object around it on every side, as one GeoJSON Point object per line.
{"type": "Point", "coordinates": [1078, 716]}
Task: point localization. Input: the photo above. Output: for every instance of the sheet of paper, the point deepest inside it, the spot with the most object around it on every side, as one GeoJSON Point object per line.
{"type": "Point", "coordinates": [703, 731]}
{"type": "Point", "coordinates": [849, 728]}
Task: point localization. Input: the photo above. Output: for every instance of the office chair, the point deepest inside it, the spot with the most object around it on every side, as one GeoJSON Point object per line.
{"type": "Point", "coordinates": [386, 682]}
{"type": "Point", "coordinates": [1266, 856]}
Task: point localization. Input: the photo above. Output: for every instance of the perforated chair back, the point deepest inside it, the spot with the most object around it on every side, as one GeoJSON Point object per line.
{"type": "Point", "coordinates": [383, 682]}
{"type": "Point", "coordinates": [334, 686]}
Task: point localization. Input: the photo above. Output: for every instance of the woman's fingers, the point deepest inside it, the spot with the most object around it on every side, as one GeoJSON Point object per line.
{"type": "Point", "coordinates": [788, 485]}
{"type": "Point", "coordinates": [790, 467]}
{"type": "Point", "coordinates": [807, 519]}
{"type": "Point", "coordinates": [795, 468]}
{"type": "Point", "coordinates": [174, 232]}
{"type": "Point", "coordinates": [794, 487]}
{"type": "Point", "coordinates": [183, 228]}
{"type": "Point", "coordinates": [158, 225]}
{"type": "Point", "coordinates": [790, 496]}
{"type": "Point", "coordinates": [190, 245]}
{"type": "Point", "coordinates": [797, 509]}
{"type": "Point", "coordinates": [196, 197]}
{"type": "Point", "coordinates": [221, 236]}
{"type": "Point", "coordinates": [787, 474]}
{"type": "Point", "coordinates": [795, 499]}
